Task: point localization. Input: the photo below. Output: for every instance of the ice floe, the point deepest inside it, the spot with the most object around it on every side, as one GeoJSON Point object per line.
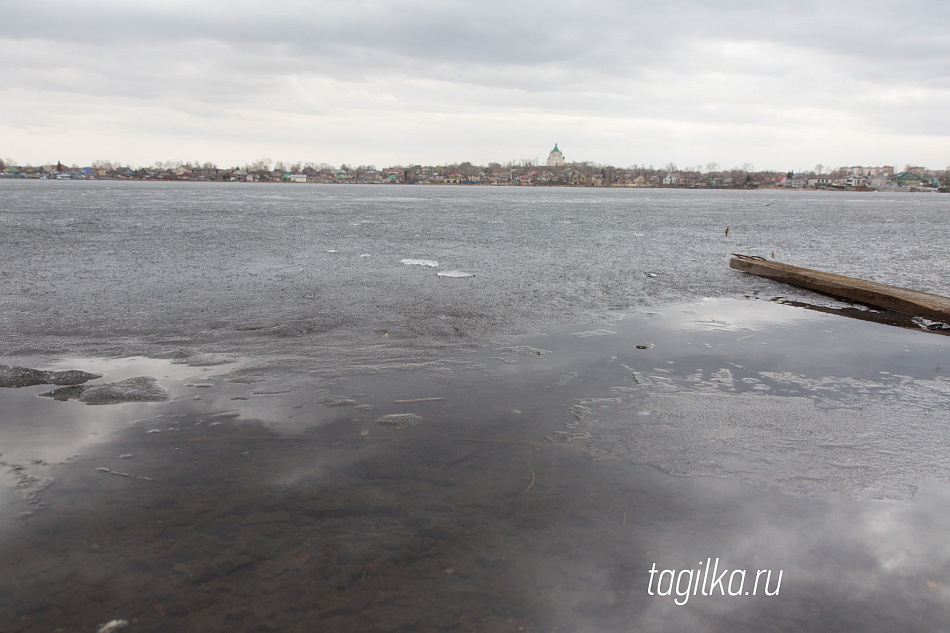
{"type": "Point", "coordinates": [138, 389]}
{"type": "Point", "coordinates": [12, 376]}
{"type": "Point", "coordinates": [431, 263]}
{"type": "Point", "coordinates": [589, 333]}
{"type": "Point", "coordinates": [400, 420]}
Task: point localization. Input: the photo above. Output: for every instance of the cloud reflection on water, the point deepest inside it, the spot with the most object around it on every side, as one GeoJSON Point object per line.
{"type": "Point", "coordinates": [280, 501]}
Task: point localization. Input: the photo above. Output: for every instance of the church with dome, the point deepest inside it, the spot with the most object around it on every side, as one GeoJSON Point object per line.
{"type": "Point", "coordinates": [556, 157]}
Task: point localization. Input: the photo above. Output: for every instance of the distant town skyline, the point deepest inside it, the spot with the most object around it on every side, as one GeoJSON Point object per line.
{"type": "Point", "coordinates": [773, 86]}
{"type": "Point", "coordinates": [555, 160]}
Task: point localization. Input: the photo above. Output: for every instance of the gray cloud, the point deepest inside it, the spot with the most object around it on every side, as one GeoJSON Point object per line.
{"type": "Point", "coordinates": [739, 69]}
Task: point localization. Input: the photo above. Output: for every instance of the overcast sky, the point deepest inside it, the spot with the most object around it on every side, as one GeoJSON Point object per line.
{"type": "Point", "coordinates": [776, 85]}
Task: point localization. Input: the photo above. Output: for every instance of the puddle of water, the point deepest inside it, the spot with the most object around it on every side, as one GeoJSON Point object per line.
{"type": "Point", "coordinates": [531, 496]}
{"type": "Point", "coordinates": [37, 428]}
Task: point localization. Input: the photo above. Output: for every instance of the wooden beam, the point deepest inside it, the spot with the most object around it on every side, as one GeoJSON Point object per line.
{"type": "Point", "coordinates": [870, 293]}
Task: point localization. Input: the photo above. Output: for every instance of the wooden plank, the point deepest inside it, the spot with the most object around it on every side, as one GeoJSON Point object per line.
{"type": "Point", "coordinates": [870, 293]}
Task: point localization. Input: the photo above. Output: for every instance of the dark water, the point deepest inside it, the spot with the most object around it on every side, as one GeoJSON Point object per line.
{"type": "Point", "coordinates": [558, 457]}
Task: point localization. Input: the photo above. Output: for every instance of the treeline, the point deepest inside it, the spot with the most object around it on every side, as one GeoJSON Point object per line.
{"type": "Point", "coordinates": [524, 172]}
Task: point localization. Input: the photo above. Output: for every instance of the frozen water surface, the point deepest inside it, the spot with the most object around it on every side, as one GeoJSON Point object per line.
{"type": "Point", "coordinates": [163, 269]}
{"type": "Point", "coordinates": [349, 443]}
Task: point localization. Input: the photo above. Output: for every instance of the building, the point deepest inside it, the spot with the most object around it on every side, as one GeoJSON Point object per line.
{"type": "Point", "coordinates": [886, 170]}
{"type": "Point", "coordinates": [907, 179]}
{"type": "Point", "coordinates": [556, 157]}
{"type": "Point", "coordinates": [857, 181]}
{"type": "Point", "coordinates": [820, 181]}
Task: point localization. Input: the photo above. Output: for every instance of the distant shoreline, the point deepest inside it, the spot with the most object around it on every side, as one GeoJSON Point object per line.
{"type": "Point", "coordinates": [492, 185]}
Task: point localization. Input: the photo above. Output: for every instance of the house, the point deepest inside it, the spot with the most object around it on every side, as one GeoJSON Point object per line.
{"type": "Point", "coordinates": [797, 181]}
{"type": "Point", "coordinates": [295, 177]}
{"type": "Point", "coordinates": [452, 179]}
{"type": "Point", "coordinates": [527, 179]}
{"type": "Point", "coordinates": [907, 179]}
{"type": "Point", "coordinates": [857, 181]}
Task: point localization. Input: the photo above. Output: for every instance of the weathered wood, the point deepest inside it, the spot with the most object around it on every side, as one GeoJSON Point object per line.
{"type": "Point", "coordinates": [870, 293]}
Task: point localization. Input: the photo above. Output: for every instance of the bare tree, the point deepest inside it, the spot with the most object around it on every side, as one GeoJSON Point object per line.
{"type": "Point", "coordinates": [261, 164]}
{"type": "Point", "coordinates": [103, 164]}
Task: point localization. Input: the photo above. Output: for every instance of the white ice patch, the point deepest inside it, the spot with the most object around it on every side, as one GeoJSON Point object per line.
{"type": "Point", "coordinates": [400, 420]}
{"type": "Point", "coordinates": [593, 333]}
{"type": "Point", "coordinates": [431, 263]}
{"type": "Point", "coordinates": [455, 273]}
{"type": "Point", "coordinates": [927, 324]}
